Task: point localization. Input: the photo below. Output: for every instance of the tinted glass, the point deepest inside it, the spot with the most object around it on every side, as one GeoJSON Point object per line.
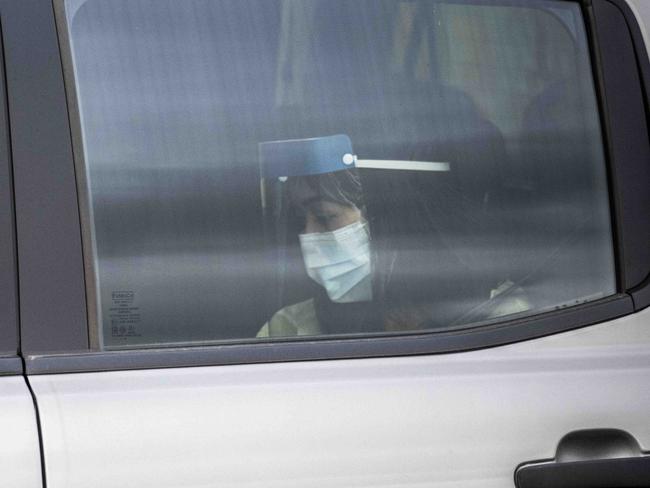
{"type": "Point", "coordinates": [478, 190]}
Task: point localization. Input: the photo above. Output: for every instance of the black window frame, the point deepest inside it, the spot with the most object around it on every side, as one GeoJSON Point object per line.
{"type": "Point", "coordinates": [51, 283]}
{"type": "Point", "coordinates": [631, 167]}
{"type": "Point", "coordinates": [54, 310]}
{"type": "Point", "coordinates": [10, 363]}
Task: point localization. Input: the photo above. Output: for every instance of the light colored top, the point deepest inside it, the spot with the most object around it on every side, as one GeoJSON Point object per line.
{"type": "Point", "coordinates": [300, 318]}
{"type": "Point", "coordinates": [294, 320]}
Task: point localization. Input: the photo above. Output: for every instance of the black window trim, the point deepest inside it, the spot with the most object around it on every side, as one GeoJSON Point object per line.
{"type": "Point", "coordinates": [11, 366]}
{"type": "Point", "coordinates": [60, 343]}
{"type": "Point", "coordinates": [640, 233]}
{"type": "Point", "coordinates": [50, 276]}
{"type": "Point", "coordinates": [330, 348]}
{"type": "Point", "coordinates": [10, 363]}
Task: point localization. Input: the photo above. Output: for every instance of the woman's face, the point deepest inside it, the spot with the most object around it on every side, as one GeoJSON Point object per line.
{"type": "Point", "coordinates": [319, 214]}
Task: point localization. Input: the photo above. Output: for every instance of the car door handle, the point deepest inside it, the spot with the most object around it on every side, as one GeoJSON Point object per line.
{"type": "Point", "coordinates": [598, 458]}
{"type": "Point", "coordinates": [603, 473]}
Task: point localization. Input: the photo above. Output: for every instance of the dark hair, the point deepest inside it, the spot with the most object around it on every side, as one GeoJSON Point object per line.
{"type": "Point", "coordinates": [342, 187]}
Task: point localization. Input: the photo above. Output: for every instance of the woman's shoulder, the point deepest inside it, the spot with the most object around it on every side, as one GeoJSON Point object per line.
{"type": "Point", "coordinates": [293, 320]}
{"type": "Point", "coordinates": [508, 298]}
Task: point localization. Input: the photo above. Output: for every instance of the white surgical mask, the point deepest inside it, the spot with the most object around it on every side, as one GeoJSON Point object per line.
{"type": "Point", "coordinates": [339, 261]}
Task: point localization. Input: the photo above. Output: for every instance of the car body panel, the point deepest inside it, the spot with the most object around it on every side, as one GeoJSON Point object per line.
{"type": "Point", "coordinates": [20, 461]}
{"type": "Point", "coordinates": [465, 419]}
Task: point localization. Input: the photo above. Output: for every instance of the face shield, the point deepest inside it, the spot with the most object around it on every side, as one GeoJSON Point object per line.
{"type": "Point", "coordinates": [317, 221]}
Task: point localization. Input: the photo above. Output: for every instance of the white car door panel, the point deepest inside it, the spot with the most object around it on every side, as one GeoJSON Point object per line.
{"type": "Point", "coordinates": [465, 419]}
{"type": "Point", "coordinates": [20, 461]}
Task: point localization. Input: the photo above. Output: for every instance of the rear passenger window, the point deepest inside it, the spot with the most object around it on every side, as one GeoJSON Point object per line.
{"type": "Point", "coordinates": [280, 168]}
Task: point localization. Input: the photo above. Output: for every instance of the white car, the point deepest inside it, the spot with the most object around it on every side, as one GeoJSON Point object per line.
{"type": "Point", "coordinates": [324, 243]}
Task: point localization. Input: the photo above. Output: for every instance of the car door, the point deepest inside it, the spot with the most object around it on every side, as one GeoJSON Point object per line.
{"type": "Point", "coordinates": [508, 327]}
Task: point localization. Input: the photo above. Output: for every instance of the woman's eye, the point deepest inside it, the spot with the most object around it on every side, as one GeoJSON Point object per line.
{"type": "Point", "coordinates": [325, 218]}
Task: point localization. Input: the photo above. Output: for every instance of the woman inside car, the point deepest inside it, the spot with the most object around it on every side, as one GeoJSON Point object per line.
{"type": "Point", "coordinates": [371, 238]}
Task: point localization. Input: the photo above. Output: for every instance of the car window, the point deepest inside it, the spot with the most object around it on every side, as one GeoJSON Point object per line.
{"type": "Point", "coordinates": [278, 168]}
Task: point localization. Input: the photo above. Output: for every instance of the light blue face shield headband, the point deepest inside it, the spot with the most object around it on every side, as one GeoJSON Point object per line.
{"type": "Point", "coordinates": [319, 155]}
{"type": "Point", "coordinates": [339, 260]}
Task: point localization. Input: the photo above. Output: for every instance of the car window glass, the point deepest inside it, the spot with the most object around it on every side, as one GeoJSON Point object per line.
{"type": "Point", "coordinates": [274, 168]}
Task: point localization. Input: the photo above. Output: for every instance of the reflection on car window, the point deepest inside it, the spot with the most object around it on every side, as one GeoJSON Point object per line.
{"type": "Point", "coordinates": [276, 168]}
